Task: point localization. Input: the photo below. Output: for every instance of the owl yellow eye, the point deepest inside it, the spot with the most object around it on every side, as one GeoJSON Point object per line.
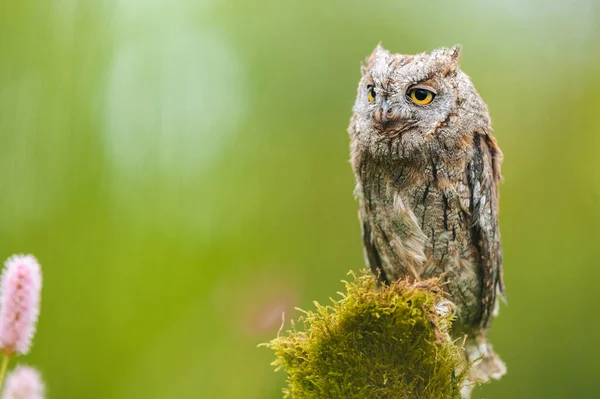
{"type": "Point", "coordinates": [421, 96]}
{"type": "Point", "coordinates": [371, 93]}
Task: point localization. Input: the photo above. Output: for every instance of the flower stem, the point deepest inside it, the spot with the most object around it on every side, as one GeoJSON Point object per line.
{"type": "Point", "coordinates": [5, 360]}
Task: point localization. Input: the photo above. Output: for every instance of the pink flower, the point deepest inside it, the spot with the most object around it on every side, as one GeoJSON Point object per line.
{"type": "Point", "coordinates": [24, 383]}
{"type": "Point", "coordinates": [20, 288]}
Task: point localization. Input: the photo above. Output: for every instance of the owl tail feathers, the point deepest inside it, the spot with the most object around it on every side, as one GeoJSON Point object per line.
{"type": "Point", "coordinates": [486, 364]}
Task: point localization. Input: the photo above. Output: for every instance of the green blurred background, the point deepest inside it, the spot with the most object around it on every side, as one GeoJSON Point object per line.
{"type": "Point", "coordinates": [180, 170]}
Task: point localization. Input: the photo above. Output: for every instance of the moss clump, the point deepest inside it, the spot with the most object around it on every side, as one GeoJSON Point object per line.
{"type": "Point", "coordinates": [375, 342]}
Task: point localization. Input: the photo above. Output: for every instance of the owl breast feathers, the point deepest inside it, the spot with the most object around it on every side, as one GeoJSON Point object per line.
{"type": "Point", "coordinates": [427, 170]}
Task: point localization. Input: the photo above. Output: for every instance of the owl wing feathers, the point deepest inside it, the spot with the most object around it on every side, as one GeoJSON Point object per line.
{"type": "Point", "coordinates": [483, 175]}
{"type": "Point", "coordinates": [372, 256]}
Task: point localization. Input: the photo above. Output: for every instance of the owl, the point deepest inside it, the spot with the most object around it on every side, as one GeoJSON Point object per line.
{"type": "Point", "coordinates": [427, 169]}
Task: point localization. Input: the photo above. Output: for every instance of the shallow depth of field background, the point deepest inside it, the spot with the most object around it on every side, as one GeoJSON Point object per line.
{"type": "Point", "coordinates": [180, 169]}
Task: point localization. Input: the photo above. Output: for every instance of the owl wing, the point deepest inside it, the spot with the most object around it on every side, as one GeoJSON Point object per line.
{"type": "Point", "coordinates": [483, 176]}
{"type": "Point", "coordinates": [372, 256]}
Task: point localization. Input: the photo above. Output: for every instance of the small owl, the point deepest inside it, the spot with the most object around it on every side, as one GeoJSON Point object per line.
{"type": "Point", "coordinates": [427, 169]}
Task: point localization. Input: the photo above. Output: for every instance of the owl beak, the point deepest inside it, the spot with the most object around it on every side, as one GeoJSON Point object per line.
{"type": "Point", "coordinates": [386, 113]}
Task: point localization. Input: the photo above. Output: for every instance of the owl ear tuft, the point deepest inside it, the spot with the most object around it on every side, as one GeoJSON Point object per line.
{"type": "Point", "coordinates": [377, 53]}
{"type": "Point", "coordinates": [378, 49]}
{"type": "Point", "coordinates": [455, 52]}
{"type": "Point", "coordinates": [445, 60]}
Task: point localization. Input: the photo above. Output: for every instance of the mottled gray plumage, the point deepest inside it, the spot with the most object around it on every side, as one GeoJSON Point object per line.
{"type": "Point", "coordinates": [427, 178]}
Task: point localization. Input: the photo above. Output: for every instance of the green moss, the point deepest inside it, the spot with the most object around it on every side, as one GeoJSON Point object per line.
{"type": "Point", "coordinates": [374, 342]}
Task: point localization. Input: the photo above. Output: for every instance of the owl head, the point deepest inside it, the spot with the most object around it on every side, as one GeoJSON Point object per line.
{"type": "Point", "coordinates": [404, 101]}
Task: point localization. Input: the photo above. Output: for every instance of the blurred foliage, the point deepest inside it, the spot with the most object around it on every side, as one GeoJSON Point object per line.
{"type": "Point", "coordinates": [374, 342]}
{"type": "Point", "coordinates": [180, 170]}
